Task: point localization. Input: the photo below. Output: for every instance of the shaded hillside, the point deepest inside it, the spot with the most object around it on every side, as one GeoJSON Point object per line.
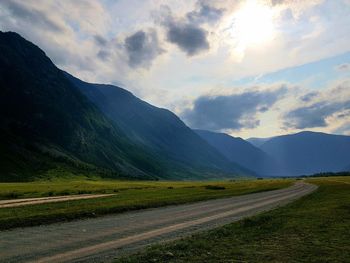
{"type": "Point", "coordinates": [47, 122]}
{"type": "Point", "coordinates": [310, 152]}
{"type": "Point", "coordinates": [257, 142]}
{"type": "Point", "coordinates": [240, 151]}
{"type": "Point", "coordinates": [161, 131]}
{"type": "Point", "coordinates": [45, 119]}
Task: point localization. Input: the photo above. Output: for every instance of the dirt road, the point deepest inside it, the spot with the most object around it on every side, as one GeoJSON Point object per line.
{"type": "Point", "coordinates": [43, 200]}
{"type": "Point", "coordinates": [102, 239]}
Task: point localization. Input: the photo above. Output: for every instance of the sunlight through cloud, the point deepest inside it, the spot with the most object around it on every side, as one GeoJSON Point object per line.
{"type": "Point", "coordinates": [252, 25]}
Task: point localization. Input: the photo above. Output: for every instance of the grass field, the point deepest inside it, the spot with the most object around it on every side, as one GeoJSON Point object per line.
{"type": "Point", "coordinates": [315, 228]}
{"type": "Point", "coordinates": [129, 195]}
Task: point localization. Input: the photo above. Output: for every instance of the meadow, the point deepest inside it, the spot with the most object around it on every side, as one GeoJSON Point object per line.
{"type": "Point", "coordinates": [315, 228]}
{"type": "Point", "coordinates": [128, 195]}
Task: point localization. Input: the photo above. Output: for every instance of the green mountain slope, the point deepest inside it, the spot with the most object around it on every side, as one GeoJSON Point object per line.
{"type": "Point", "coordinates": [45, 119]}
{"type": "Point", "coordinates": [46, 122]}
{"type": "Point", "coordinates": [161, 131]}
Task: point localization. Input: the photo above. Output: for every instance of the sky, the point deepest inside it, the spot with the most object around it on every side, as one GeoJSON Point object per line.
{"type": "Point", "coordinates": [252, 68]}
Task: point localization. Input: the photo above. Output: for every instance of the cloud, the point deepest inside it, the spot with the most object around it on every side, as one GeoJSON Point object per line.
{"type": "Point", "coordinates": [343, 67]}
{"type": "Point", "coordinates": [205, 14]}
{"type": "Point", "coordinates": [63, 29]}
{"type": "Point", "coordinates": [281, 2]}
{"type": "Point", "coordinates": [100, 40]}
{"type": "Point", "coordinates": [186, 31]}
{"type": "Point", "coordinates": [104, 55]}
{"type": "Point", "coordinates": [142, 48]}
{"type": "Point", "coordinates": [343, 129]}
{"type": "Point", "coordinates": [32, 16]}
{"type": "Point", "coordinates": [188, 37]}
{"type": "Point", "coordinates": [87, 39]}
{"type": "Point", "coordinates": [309, 96]}
{"type": "Point", "coordinates": [236, 111]}
{"type": "Point", "coordinates": [326, 108]}
{"type": "Point", "coordinates": [314, 115]}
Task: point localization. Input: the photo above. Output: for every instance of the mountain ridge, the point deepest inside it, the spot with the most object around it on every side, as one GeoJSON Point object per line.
{"type": "Point", "coordinates": [33, 95]}
{"type": "Point", "coordinates": [157, 128]}
{"type": "Point", "coordinates": [257, 142]}
{"type": "Point", "coordinates": [47, 122]}
{"type": "Point", "coordinates": [50, 119]}
{"type": "Point", "coordinates": [309, 152]}
{"type": "Point", "coordinates": [240, 151]}
{"type": "Point", "coordinates": [302, 153]}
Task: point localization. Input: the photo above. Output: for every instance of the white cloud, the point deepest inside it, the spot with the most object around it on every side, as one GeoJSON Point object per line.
{"type": "Point", "coordinates": [68, 31]}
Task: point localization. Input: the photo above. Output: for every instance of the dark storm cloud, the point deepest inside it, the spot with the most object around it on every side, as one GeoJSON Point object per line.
{"type": "Point", "coordinates": [188, 37]}
{"type": "Point", "coordinates": [35, 17]}
{"type": "Point", "coordinates": [231, 112]}
{"type": "Point", "coordinates": [142, 48]}
{"type": "Point", "coordinates": [205, 14]}
{"type": "Point", "coordinates": [314, 115]}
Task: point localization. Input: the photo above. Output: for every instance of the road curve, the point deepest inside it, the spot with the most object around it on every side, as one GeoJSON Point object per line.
{"type": "Point", "coordinates": [103, 239]}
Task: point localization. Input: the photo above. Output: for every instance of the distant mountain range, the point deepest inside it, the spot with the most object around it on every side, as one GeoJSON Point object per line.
{"type": "Point", "coordinates": [240, 151]}
{"type": "Point", "coordinates": [309, 152]}
{"type": "Point", "coordinates": [302, 153]}
{"type": "Point", "coordinates": [50, 119]}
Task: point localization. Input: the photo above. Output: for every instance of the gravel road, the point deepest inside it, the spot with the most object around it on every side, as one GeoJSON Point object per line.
{"type": "Point", "coordinates": [105, 238]}
{"type": "Point", "coordinates": [44, 200]}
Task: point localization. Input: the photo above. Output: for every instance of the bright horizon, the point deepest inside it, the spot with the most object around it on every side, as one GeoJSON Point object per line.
{"type": "Point", "coordinates": [249, 68]}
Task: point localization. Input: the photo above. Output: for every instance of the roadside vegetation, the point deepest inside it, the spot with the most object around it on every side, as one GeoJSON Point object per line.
{"type": "Point", "coordinates": [129, 195]}
{"type": "Point", "coordinates": [315, 228]}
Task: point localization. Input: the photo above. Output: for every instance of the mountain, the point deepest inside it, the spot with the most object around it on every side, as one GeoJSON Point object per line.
{"type": "Point", "coordinates": [257, 142]}
{"type": "Point", "coordinates": [309, 152]}
{"type": "Point", "coordinates": [159, 130]}
{"type": "Point", "coordinates": [288, 155]}
{"type": "Point", "coordinates": [240, 151]}
{"type": "Point", "coordinates": [45, 119]}
{"type": "Point", "coordinates": [47, 122]}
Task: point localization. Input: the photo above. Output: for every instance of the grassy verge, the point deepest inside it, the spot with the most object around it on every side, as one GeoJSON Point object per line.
{"type": "Point", "coordinates": [315, 228]}
{"type": "Point", "coordinates": [130, 195]}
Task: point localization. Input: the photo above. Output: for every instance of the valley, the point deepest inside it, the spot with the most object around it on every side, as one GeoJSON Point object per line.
{"type": "Point", "coordinates": [102, 238]}
{"type": "Point", "coordinates": [92, 172]}
{"type": "Point", "coordinates": [121, 196]}
{"type": "Point", "coordinates": [314, 228]}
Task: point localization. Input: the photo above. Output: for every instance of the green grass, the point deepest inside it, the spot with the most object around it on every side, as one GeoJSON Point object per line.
{"type": "Point", "coordinates": [129, 195]}
{"type": "Point", "coordinates": [315, 228]}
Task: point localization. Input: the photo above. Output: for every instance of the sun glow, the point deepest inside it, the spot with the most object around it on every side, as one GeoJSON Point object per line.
{"type": "Point", "coordinates": [253, 24]}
